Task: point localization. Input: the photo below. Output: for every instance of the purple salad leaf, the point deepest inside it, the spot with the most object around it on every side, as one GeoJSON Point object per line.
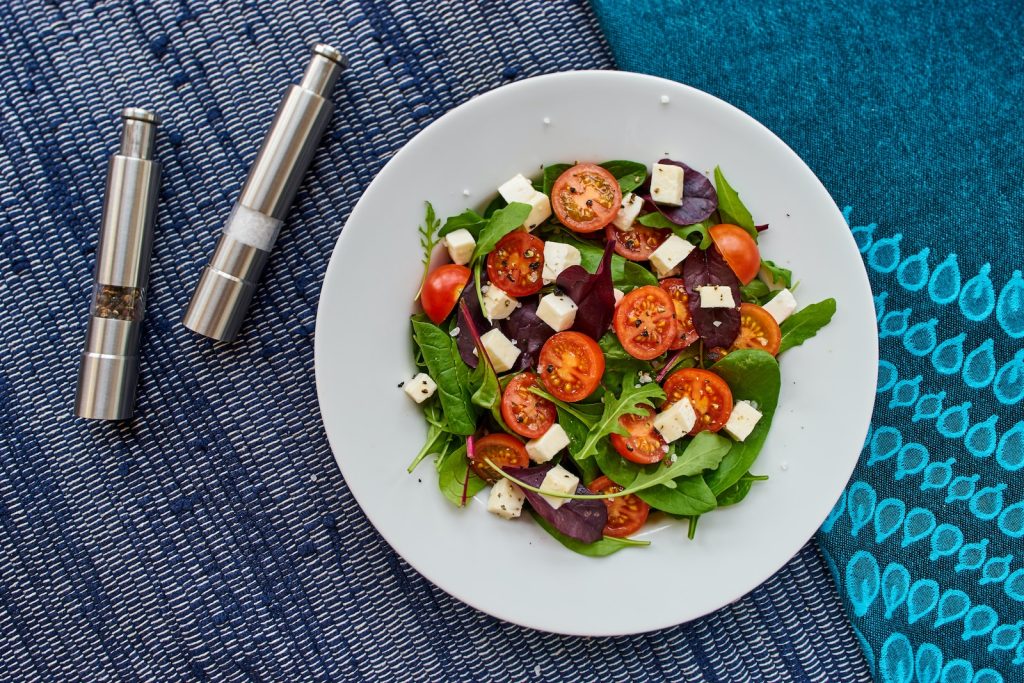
{"type": "Point", "coordinates": [593, 295]}
{"type": "Point", "coordinates": [718, 327]}
{"type": "Point", "coordinates": [699, 197]}
{"type": "Point", "coordinates": [761, 228]}
{"type": "Point", "coordinates": [464, 339]}
{"type": "Point", "coordinates": [527, 331]}
{"type": "Point", "coordinates": [583, 520]}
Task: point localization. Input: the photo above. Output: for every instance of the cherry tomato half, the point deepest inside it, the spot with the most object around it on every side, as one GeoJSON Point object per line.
{"type": "Point", "coordinates": [626, 514]}
{"type": "Point", "coordinates": [442, 289]}
{"type": "Point", "coordinates": [644, 445]}
{"type": "Point", "coordinates": [738, 249]}
{"type": "Point", "coordinates": [645, 322]}
{"type": "Point", "coordinates": [586, 198]}
{"type": "Point", "coordinates": [571, 365]}
{"type": "Point", "coordinates": [503, 450]}
{"type": "Point", "coordinates": [516, 263]}
{"type": "Point", "coordinates": [708, 393]}
{"type": "Point", "coordinates": [526, 413]}
{"type": "Point", "coordinates": [637, 244]}
{"type": "Point", "coordinates": [676, 289]}
{"type": "Point", "coordinates": [758, 330]}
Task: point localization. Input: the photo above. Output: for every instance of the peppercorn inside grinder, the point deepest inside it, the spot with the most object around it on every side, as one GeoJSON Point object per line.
{"type": "Point", "coordinates": [228, 282]}
{"type": "Point", "coordinates": [109, 366]}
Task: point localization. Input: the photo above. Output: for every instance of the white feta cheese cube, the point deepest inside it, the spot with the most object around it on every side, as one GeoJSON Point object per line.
{"type": "Point", "coordinates": [520, 189]}
{"type": "Point", "coordinates": [781, 306]}
{"type": "Point", "coordinates": [506, 499]}
{"type": "Point", "coordinates": [558, 311]}
{"type": "Point", "coordinates": [742, 420]}
{"type": "Point", "coordinates": [498, 305]}
{"type": "Point", "coordinates": [667, 184]}
{"type": "Point", "coordinates": [670, 254]}
{"type": "Point", "coordinates": [460, 245]}
{"type": "Point", "coordinates": [559, 480]}
{"type": "Point", "coordinates": [716, 296]}
{"type": "Point", "coordinates": [547, 445]}
{"type": "Point", "coordinates": [618, 293]}
{"type": "Point", "coordinates": [676, 421]}
{"type": "Point", "coordinates": [630, 209]}
{"type": "Point", "coordinates": [558, 257]}
{"type": "Point", "coordinates": [500, 350]}
{"type": "Point", "coordinates": [420, 388]}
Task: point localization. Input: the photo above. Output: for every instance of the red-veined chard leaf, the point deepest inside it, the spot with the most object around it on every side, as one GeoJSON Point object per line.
{"type": "Point", "coordinates": [527, 331]}
{"type": "Point", "coordinates": [699, 197]}
{"type": "Point", "coordinates": [716, 326]}
{"type": "Point", "coordinates": [583, 520]}
{"type": "Point", "coordinates": [593, 295]}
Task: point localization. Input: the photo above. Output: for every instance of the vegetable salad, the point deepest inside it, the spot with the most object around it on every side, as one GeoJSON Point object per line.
{"type": "Point", "coordinates": [602, 347]}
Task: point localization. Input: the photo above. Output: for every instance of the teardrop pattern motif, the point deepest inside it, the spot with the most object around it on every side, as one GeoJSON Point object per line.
{"type": "Point", "coordinates": [946, 540]}
{"type": "Point", "coordinates": [988, 502]}
{"type": "Point", "coordinates": [961, 488]}
{"type": "Point", "coordinates": [928, 663]}
{"type": "Point", "coordinates": [889, 515]}
{"type": "Point", "coordinates": [1010, 307]}
{"type": "Point", "coordinates": [954, 421]}
{"type": "Point", "coordinates": [912, 458]}
{"type": "Point", "coordinates": [980, 439]}
{"type": "Point", "coordinates": [953, 605]}
{"type": "Point", "coordinates": [913, 272]}
{"type": "Point", "coordinates": [885, 443]}
{"type": "Point", "coordinates": [920, 338]}
{"type": "Point", "coordinates": [1011, 520]}
{"type": "Point", "coordinates": [894, 323]}
{"type": "Point", "coordinates": [888, 376]}
{"type": "Point", "coordinates": [1010, 451]}
{"type": "Point", "coordinates": [1009, 381]}
{"type": "Point", "coordinates": [860, 502]}
{"type": "Point", "coordinates": [978, 297]}
{"type": "Point", "coordinates": [895, 586]}
{"type": "Point", "coordinates": [905, 392]}
{"type": "Point", "coordinates": [980, 366]}
{"type": "Point", "coordinates": [944, 284]}
{"type": "Point", "coordinates": [929, 406]}
{"type": "Point", "coordinates": [996, 570]}
{"type": "Point", "coordinates": [884, 254]}
{"type": "Point", "coordinates": [919, 523]}
{"type": "Point", "coordinates": [948, 357]}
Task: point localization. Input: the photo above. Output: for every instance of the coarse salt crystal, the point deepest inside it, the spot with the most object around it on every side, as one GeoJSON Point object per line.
{"type": "Point", "coordinates": [455, 332]}
{"type": "Point", "coordinates": [664, 99]}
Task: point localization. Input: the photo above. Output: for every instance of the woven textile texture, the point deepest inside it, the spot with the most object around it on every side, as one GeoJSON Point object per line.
{"type": "Point", "coordinates": [910, 113]}
{"type": "Point", "coordinates": [212, 537]}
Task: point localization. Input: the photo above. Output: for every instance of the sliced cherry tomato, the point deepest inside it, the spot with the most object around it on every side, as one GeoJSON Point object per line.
{"type": "Point", "coordinates": [526, 413]}
{"type": "Point", "coordinates": [676, 288]}
{"type": "Point", "coordinates": [586, 198]}
{"type": "Point", "coordinates": [441, 290]}
{"type": "Point", "coordinates": [516, 263]}
{"type": "Point", "coordinates": [503, 450]}
{"type": "Point", "coordinates": [626, 514]}
{"type": "Point", "coordinates": [644, 445]}
{"type": "Point", "coordinates": [637, 244]}
{"type": "Point", "coordinates": [758, 330]}
{"type": "Point", "coordinates": [738, 249]}
{"type": "Point", "coordinates": [708, 393]}
{"type": "Point", "coordinates": [645, 322]}
{"type": "Point", "coordinates": [571, 365]}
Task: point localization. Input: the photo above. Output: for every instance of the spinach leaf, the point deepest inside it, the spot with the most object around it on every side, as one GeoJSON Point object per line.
{"type": "Point", "coordinates": [577, 431]}
{"type": "Point", "coordinates": [738, 491]}
{"type": "Point", "coordinates": [452, 472]}
{"type": "Point", "coordinates": [730, 207]}
{"type": "Point", "coordinates": [468, 219]}
{"type": "Point", "coordinates": [754, 292]}
{"type": "Point", "coordinates": [805, 323]}
{"type": "Point", "coordinates": [656, 220]}
{"type": "Point", "coordinates": [630, 401]}
{"type": "Point", "coordinates": [630, 174]}
{"type": "Point", "coordinates": [618, 363]}
{"type": "Point", "coordinates": [428, 240]}
{"type": "Point", "coordinates": [501, 223]}
{"type": "Point", "coordinates": [484, 384]}
{"type": "Point", "coordinates": [691, 496]}
{"type": "Point", "coordinates": [551, 174]}
{"type": "Point", "coordinates": [625, 274]}
{"type": "Point", "coordinates": [617, 468]}
{"type": "Point", "coordinates": [601, 548]}
{"type": "Point", "coordinates": [704, 452]}
{"type": "Point", "coordinates": [780, 277]}
{"type": "Point", "coordinates": [752, 375]}
{"type": "Point", "coordinates": [449, 372]}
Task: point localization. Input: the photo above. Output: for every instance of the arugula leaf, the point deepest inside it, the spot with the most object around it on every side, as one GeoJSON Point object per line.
{"type": "Point", "coordinates": [551, 174]}
{"type": "Point", "coordinates": [752, 375]}
{"type": "Point", "coordinates": [705, 451]}
{"type": "Point", "coordinates": [738, 491]}
{"type": "Point", "coordinates": [601, 548]}
{"type": "Point", "coordinates": [451, 477]}
{"type": "Point", "coordinates": [691, 496]}
{"type": "Point", "coordinates": [656, 220]}
{"type": "Point", "coordinates": [501, 222]}
{"type": "Point", "coordinates": [449, 372]}
{"type": "Point", "coordinates": [754, 292]}
{"type": "Point", "coordinates": [428, 240]}
{"type": "Point", "coordinates": [437, 434]}
{"type": "Point", "coordinates": [630, 174]}
{"type": "Point", "coordinates": [625, 274]}
{"type": "Point", "coordinates": [628, 402]}
{"type": "Point", "coordinates": [730, 207]}
{"type": "Point", "coordinates": [779, 276]}
{"type": "Point", "coordinates": [468, 219]}
{"type": "Point", "coordinates": [577, 431]}
{"type": "Point", "coordinates": [805, 323]}
{"type": "Point", "coordinates": [497, 203]}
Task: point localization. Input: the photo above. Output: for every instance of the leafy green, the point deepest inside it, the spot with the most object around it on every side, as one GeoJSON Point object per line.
{"type": "Point", "coordinates": [484, 383]}
{"type": "Point", "coordinates": [428, 240]}
{"type": "Point", "coordinates": [551, 174]}
{"type": "Point", "coordinates": [755, 292]}
{"type": "Point", "coordinates": [449, 372]}
{"type": "Point", "coordinates": [780, 276]}
{"type": "Point", "coordinates": [625, 274]}
{"type": "Point", "coordinates": [730, 207]}
{"type": "Point", "coordinates": [606, 546]}
{"type": "Point", "coordinates": [617, 362]}
{"type": "Point", "coordinates": [502, 222]}
{"type": "Point", "coordinates": [452, 472]}
{"type": "Point", "coordinates": [738, 491]}
{"type": "Point", "coordinates": [691, 496]}
{"type": "Point", "coordinates": [656, 220]}
{"type": "Point", "coordinates": [497, 203]}
{"type": "Point", "coordinates": [805, 323]}
{"type": "Point", "coordinates": [752, 375]}
{"type": "Point", "coordinates": [438, 435]}
{"type": "Point", "coordinates": [630, 174]}
{"type": "Point", "coordinates": [705, 451]}
{"type": "Point", "coordinates": [469, 220]}
{"type": "Point", "coordinates": [630, 401]}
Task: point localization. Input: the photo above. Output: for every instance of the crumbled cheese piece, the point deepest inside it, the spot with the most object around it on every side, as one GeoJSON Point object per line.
{"type": "Point", "coordinates": [742, 420]}
{"type": "Point", "coordinates": [460, 245]}
{"type": "Point", "coordinates": [676, 421]}
{"type": "Point", "coordinates": [502, 352]}
{"type": "Point", "coordinates": [547, 445]}
{"type": "Point", "coordinates": [559, 480]}
{"type": "Point", "coordinates": [520, 189]}
{"type": "Point", "coordinates": [498, 305]}
{"type": "Point", "coordinates": [558, 311]}
{"type": "Point", "coordinates": [558, 257]}
{"type": "Point", "coordinates": [667, 184]}
{"type": "Point", "coordinates": [670, 254]}
{"type": "Point", "coordinates": [618, 295]}
{"type": "Point", "coordinates": [630, 209]}
{"type": "Point", "coordinates": [781, 306]}
{"type": "Point", "coordinates": [506, 499]}
{"type": "Point", "coordinates": [420, 388]}
{"type": "Point", "coordinates": [716, 296]}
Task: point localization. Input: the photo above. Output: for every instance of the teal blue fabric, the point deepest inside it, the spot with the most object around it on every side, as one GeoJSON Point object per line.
{"type": "Point", "coordinates": [910, 113]}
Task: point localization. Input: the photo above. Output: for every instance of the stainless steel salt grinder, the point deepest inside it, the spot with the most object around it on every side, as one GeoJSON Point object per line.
{"type": "Point", "coordinates": [227, 283]}
{"type": "Point", "coordinates": [109, 366]}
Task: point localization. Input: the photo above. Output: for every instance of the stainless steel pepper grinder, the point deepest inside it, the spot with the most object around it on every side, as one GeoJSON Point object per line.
{"type": "Point", "coordinates": [226, 285]}
{"type": "Point", "coordinates": [109, 367]}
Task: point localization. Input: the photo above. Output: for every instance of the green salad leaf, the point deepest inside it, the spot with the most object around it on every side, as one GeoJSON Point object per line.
{"type": "Point", "coordinates": [428, 240]}
{"type": "Point", "coordinates": [449, 372]}
{"type": "Point", "coordinates": [468, 219]}
{"type": "Point", "coordinates": [689, 497]}
{"type": "Point", "coordinates": [738, 491]}
{"type": "Point", "coordinates": [805, 323]}
{"type": "Point", "coordinates": [452, 472]}
{"type": "Point", "coordinates": [500, 223]}
{"type": "Point", "coordinates": [656, 220]}
{"type": "Point", "coordinates": [705, 451]}
{"type": "Point", "coordinates": [780, 276]}
{"type": "Point", "coordinates": [602, 548]}
{"type": "Point", "coordinates": [551, 174]}
{"type": "Point", "coordinates": [755, 292]}
{"type": "Point", "coordinates": [438, 435]}
{"type": "Point", "coordinates": [625, 274]}
{"type": "Point", "coordinates": [630, 174]}
{"type": "Point", "coordinates": [730, 207]}
{"type": "Point", "coordinates": [630, 401]}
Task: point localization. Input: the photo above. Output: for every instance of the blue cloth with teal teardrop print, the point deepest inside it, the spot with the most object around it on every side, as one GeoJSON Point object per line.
{"type": "Point", "coordinates": [928, 538]}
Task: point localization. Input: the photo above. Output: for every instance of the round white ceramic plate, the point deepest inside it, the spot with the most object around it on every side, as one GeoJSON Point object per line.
{"type": "Point", "coordinates": [514, 570]}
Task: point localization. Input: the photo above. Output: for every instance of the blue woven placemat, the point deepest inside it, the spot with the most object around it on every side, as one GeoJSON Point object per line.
{"type": "Point", "coordinates": [213, 538]}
